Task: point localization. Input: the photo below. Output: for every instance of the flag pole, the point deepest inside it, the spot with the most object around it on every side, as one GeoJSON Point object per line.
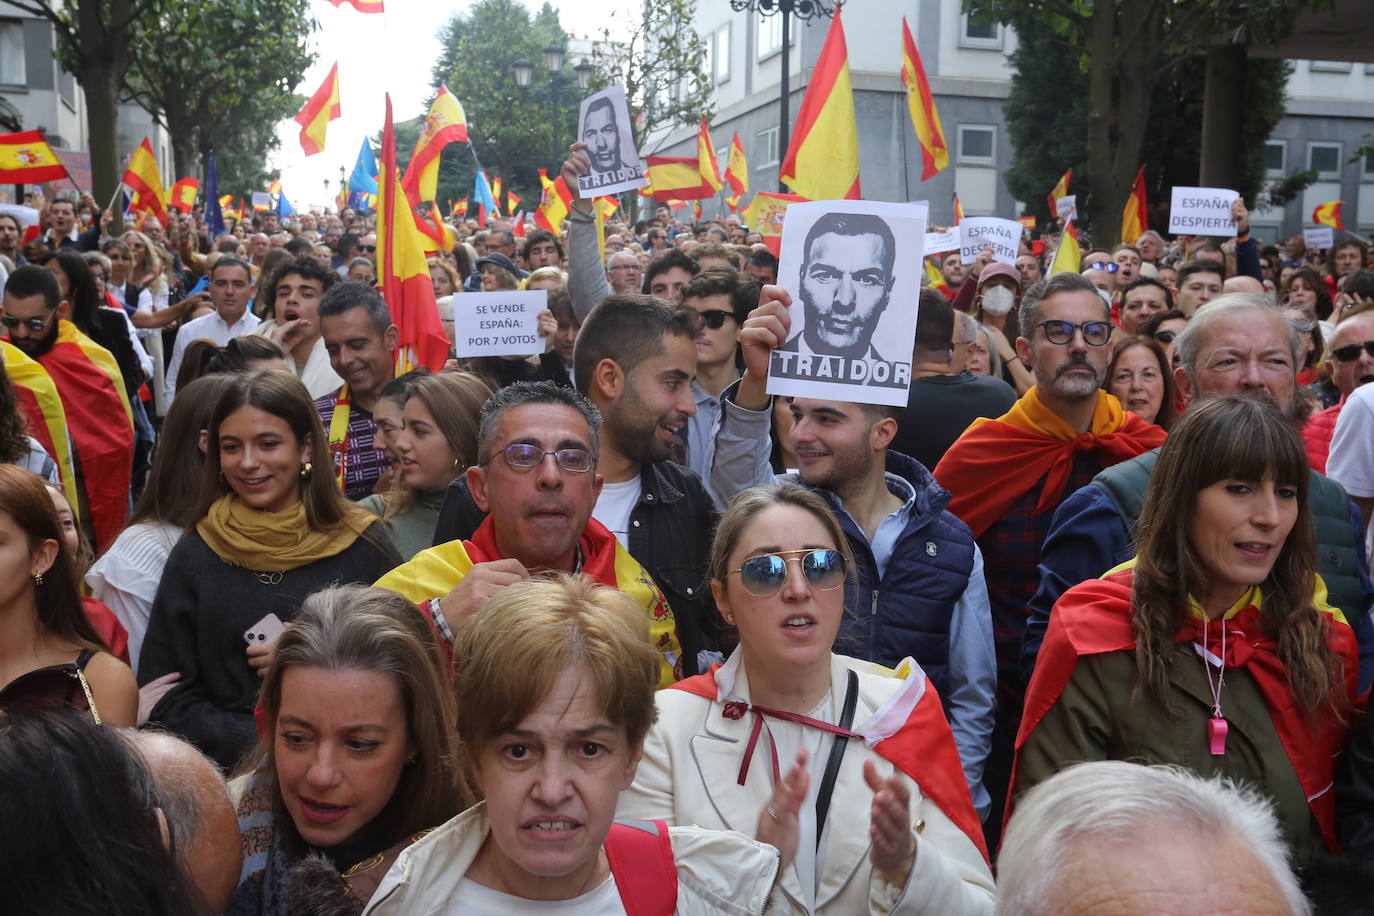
{"type": "Point", "coordinates": [119, 186]}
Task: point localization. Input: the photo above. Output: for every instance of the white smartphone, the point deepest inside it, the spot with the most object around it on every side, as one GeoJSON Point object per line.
{"type": "Point", "coordinates": [265, 631]}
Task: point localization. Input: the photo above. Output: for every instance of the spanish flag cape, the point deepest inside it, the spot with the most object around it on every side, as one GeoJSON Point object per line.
{"type": "Point", "coordinates": [995, 462]}
{"type": "Point", "coordinates": [908, 729]}
{"type": "Point", "coordinates": [101, 425]}
{"type": "Point", "coordinates": [1095, 617]}
{"type": "Point", "coordinates": [433, 572]}
{"type": "Point", "coordinates": [42, 407]}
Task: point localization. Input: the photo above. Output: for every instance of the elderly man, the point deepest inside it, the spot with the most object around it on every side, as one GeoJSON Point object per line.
{"type": "Point", "coordinates": [1151, 247]}
{"type": "Point", "coordinates": [258, 246]}
{"type": "Point", "coordinates": [1240, 344]}
{"type": "Point", "coordinates": [623, 272]}
{"type": "Point", "coordinates": [536, 478]}
{"type": "Point", "coordinates": [1350, 364]}
{"type": "Point", "coordinates": [1108, 838]}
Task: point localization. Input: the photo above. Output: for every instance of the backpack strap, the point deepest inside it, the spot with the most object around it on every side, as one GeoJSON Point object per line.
{"type": "Point", "coordinates": [641, 858]}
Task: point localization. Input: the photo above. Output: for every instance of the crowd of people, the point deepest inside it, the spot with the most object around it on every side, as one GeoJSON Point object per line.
{"type": "Point", "coordinates": [610, 629]}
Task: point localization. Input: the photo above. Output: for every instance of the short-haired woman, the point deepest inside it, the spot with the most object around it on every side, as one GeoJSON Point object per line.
{"type": "Point", "coordinates": [1139, 377]}
{"type": "Point", "coordinates": [555, 681]}
{"type": "Point", "coordinates": [1214, 648]}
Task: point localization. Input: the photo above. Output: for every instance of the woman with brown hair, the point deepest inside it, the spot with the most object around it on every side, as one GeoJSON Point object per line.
{"type": "Point", "coordinates": [1214, 648]}
{"type": "Point", "coordinates": [1139, 377]}
{"type": "Point", "coordinates": [270, 528]}
{"type": "Point", "coordinates": [49, 653]}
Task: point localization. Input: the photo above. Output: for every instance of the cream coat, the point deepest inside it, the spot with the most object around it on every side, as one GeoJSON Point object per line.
{"type": "Point", "coordinates": [717, 873]}
{"type": "Point", "coordinates": [689, 773]}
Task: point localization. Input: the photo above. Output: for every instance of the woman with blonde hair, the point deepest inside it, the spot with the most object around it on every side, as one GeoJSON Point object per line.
{"type": "Point", "coordinates": [357, 757]}
{"type": "Point", "coordinates": [1214, 648]}
{"type": "Point", "coordinates": [555, 681]}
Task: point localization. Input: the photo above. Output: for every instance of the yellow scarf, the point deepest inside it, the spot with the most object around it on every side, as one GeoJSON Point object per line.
{"type": "Point", "coordinates": [274, 541]}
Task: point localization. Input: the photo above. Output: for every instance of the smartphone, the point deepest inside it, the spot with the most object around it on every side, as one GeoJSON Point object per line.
{"type": "Point", "coordinates": [265, 631]}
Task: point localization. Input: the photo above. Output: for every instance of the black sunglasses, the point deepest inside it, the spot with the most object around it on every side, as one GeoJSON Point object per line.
{"type": "Point", "coordinates": [1347, 354]}
{"type": "Point", "coordinates": [762, 576]}
{"type": "Point", "coordinates": [1095, 333]}
{"type": "Point", "coordinates": [367, 247]}
{"type": "Point", "coordinates": [33, 324]}
{"type": "Point", "coordinates": [715, 318]}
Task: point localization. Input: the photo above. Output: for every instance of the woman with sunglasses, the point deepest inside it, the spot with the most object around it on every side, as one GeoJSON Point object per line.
{"type": "Point", "coordinates": [874, 784]}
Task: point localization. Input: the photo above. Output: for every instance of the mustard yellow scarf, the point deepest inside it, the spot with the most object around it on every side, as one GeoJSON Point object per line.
{"type": "Point", "coordinates": [274, 541]}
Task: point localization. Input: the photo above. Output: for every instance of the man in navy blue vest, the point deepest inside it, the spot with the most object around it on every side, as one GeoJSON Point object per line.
{"type": "Point", "coordinates": [919, 588]}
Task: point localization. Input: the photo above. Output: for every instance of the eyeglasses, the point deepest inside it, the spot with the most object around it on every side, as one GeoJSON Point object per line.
{"type": "Point", "coordinates": [523, 456]}
{"type": "Point", "coordinates": [715, 318]}
{"type": "Point", "coordinates": [1110, 267]}
{"type": "Point", "coordinates": [367, 247]}
{"type": "Point", "coordinates": [1351, 352]}
{"type": "Point", "coordinates": [1095, 333]}
{"type": "Point", "coordinates": [625, 267]}
{"type": "Point", "coordinates": [33, 324]}
{"type": "Point", "coordinates": [762, 576]}
{"type": "Point", "coordinates": [1165, 337]}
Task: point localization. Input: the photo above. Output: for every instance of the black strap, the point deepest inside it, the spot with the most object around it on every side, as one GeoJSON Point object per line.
{"type": "Point", "coordinates": [832, 766]}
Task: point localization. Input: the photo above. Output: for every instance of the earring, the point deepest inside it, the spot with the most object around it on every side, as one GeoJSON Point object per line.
{"type": "Point", "coordinates": [730, 619]}
{"type": "Point", "coordinates": [410, 759]}
{"type": "Point", "coordinates": [306, 470]}
{"type": "Point", "coordinates": [38, 578]}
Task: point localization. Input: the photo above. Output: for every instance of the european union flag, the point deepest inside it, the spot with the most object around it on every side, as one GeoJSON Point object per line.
{"type": "Point", "coordinates": [362, 184]}
{"type": "Point", "coordinates": [214, 216]}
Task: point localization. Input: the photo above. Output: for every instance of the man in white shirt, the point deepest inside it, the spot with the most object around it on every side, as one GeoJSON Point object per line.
{"type": "Point", "coordinates": [231, 289]}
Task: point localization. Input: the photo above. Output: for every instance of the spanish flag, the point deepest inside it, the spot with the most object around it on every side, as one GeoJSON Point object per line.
{"type": "Point", "coordinates": [1027, 223]}
{"type": "Point", "coordinates": [921, 103]}
{"type": "Point", "coordinates": [958, 210]}
{"type": "Point", "coordinates": [1328, 214]}
{"type": "Point", "coordinates": [1133, 223]}
{"type": "Point", "coordinates": [1060, 190]}
{"type": "Point", "coordinates": [446, 123]}
{"type": "Point", "coordinates": [606, 205]}
{"type": "Point", "coordinates": [459, 207]}
{"type": "Point", "coordinates": [706, 158]}
{"type": "Point", "coordinates": [822, 161]}
{"type": "Point", "coordinates": [26, 158]}
{"type": "Point", "coordinates": [42, 407]}
{"type": "Point", "coordinates": [736, 173]}
{"type": "Point", "coordinates": [1068, 255]}
{"type": "Point", "coordinates": [553, 203]}
{"type": "Point", "coordinates": [401, 270]}
{"type": "Point", "coordinates": [496, 190]}
{"type": "Point", "coordinates": [183, 195]}
{"type": "Point", "coordinates": [433, 227]}
{"type": "Point", "coordinates": [677, 178]}
{"type": "Point", "coordinates": [362, 6]}
{"type": "Point", "coordinates": [143, 178]}
{"type": "Point", "coordinates": [765, 215]}
{"type": "Point", "coordinates": [319, 110]}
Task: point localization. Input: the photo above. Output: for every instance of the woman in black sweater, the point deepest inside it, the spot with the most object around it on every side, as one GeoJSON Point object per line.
{"type": "Point", "coordinates": [272, 528]}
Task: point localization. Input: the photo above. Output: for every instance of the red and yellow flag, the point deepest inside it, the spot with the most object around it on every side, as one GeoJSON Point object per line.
{"type": "Point", "coordinates": [433, 227]}
{"type": "Point", "coordinates": [362, 6]}
{"type": "Point", "coordinates": [677, 178]}
{"type": "Point", "coordinates": [921, 103]}
{"type": "Point", "coordinates": [765, 214]}
{"type": "Point", "coordinates": [446, 123]}
{"type": "Point", "coordinates": [1068, 255]}
{"type": "Point", "coordinates": [402, 272]}
{"type": "Point", "coordinates": [26, 158]}
{"type": "Point", "coordinates": [1328, 214]}
{"type": "Point", "coordinates": [496, 190]}
{"type": "Point", "coordinates": [42, 407]}
{"type": "Point", "coordinates": [513, 201]}
{"type": "Point", "coordinates": [1060, 190]}
{"type": "Point", "coordinates": [822, 161]}
{"type": "Point", "coordinates": [319, 110]}
{"type": "Point", "coordinates": [183, 195]}
{"type": "Point", "coordinates": [460, 207]}
{"type": "Point", "coordinates": [518, 229]}
{"type": "Point", "coordinates": [736, 173]}
{"type": "Point", "coordinates": [143, 178]}
{"type": "Point", "coordinates": [553, 204]}
{"type": "Point", "coordinates": [1027, 223]}
{"type": "Point", "coordinates": [706, 158]}
{"type": "Point", "coordinates": [1133, 224]}
{"type": "Point", "coordinates": [958, 210]}
{"type": "Point", "coordinates": [606, 205]}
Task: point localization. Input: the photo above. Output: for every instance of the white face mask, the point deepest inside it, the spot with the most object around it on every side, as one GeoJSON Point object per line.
{"type": "Point", "coordinates": [998, 300]}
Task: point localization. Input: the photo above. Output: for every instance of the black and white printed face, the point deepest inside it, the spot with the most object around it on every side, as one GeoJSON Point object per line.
{"type": "Point", "coordinates": [844, 288]}
{"type": "Point", "coordinates": [601, 133]}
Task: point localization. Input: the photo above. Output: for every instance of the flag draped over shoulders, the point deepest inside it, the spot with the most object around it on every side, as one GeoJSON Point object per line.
{"type": "Point", "coordinates": [42, 406]}
{"type": "Point", "coordinates": [995, 462]}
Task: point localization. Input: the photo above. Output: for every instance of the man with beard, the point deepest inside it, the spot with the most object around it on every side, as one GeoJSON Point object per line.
{"type": "Point", "coordinates": [1240, 345]}
{"type": "Point", "coordinates": [952, 276]}
{"type": "Point", "coordinates": [1005, 476]}
{"type": "Point", "coordinates": [1351, 364]}
{"type": "Point", "coordinates": [88, 380]}
{"type": "Point", "coordinates": [846, 279]}
{"type": "Point", "coordinates": [918, 575]}
{"type": "Point", "coordinates": [538, 447]}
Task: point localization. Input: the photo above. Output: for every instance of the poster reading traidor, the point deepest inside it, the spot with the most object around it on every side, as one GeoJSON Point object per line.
{"type": "Point", "coordinates": [853, 269]}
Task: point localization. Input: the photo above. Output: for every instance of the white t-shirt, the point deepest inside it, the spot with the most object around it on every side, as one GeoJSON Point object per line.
{"type": "Point", "coordinates": [1351, 462]}
{"type": "Point", "coordinates": [614, 506]}
{"type": "Point", "coordinates": [472, 899]}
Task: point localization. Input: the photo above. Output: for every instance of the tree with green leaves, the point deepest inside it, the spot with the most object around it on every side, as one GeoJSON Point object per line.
{"type": "Point", "coordinates": [94, 45]}
{"type": "Point", "coordinates": [1128, 49]}
{"type": "Point", "coordinates": [220, 74]}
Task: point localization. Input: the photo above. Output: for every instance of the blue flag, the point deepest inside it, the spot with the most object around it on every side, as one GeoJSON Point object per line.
{"type": "Point", "coordinates": [214, 216]}
{"type": "Point", "coordinates": [284, 208]}
{"type": "Point", "coordinates": [362, 184]}
{"type": "Point", "coordinates": [481, 193]}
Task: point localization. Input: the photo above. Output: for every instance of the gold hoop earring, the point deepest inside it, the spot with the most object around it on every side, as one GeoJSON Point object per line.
{"type": "Point", "coordinates": [306, 470]}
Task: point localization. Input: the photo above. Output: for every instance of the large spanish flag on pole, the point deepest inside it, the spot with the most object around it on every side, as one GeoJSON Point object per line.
{"type": "Point", "coordinates": [921, 103]}
{"type": "Point", "coordinates": [736, 173]}
{"type": "Point", "coordinates": [822, 161]}
{"type": "Point", "coordinates": [1133, 224]}
{"type": "Point", "coordinates": [402, 272]}
{"type": "Point", "coordinates": [143, 177]}
{"type": "Point", "coordinates": [446, 123]}
{"type": "Point", "coordinates": [1060, 189]}
{"type": "Point", "coordinates": [42, 407]}
{"type": "Point", "coordinates": [26, 158]}
{"type": "Point", "coordinates": [706, 158]}
{"type": "Point", "coordinates": [1328, 214]}
{"type": "Point", "coordinates": [678, 178]}
{"type": "Point", "coordinates": [319, 110]}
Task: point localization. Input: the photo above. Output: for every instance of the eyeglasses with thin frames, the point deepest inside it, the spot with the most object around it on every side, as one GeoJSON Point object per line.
{"type": "Point", "coordinates": [763, 575]}
{"type": "Point", "coordinates": [522, 456]}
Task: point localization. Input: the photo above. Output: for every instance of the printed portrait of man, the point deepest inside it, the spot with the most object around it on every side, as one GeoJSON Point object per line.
{"type": "Point", "coordinates": [846, 279]}
{"type": "Point", "coordinates": [601, 133]}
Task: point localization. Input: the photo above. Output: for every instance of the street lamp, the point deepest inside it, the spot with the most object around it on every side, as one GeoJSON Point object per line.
{"type": "Point", "coordinates": [554, 55]}
{"type": "Point", "coordinates": [524, 72]}
{"type": "Point", "coordinates": [801, 9]}
{"type": "Point", "coordinates": [584, 73]}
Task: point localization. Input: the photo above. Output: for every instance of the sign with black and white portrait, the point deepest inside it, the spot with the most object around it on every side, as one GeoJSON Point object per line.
{"type": "Point", "coordinates": [854, 271]}
{"type": "Point", "coordinates": [604, 125]}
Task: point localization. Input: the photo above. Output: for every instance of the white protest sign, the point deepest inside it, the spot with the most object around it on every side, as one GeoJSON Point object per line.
{"type": "Point", "coordinates": [261, 200]}
{"type": "Point", "coordinates": [604, 125]}
{"type": "Point", "coordinates": [1201, 211]}
{"type": "Point", "coordinates": [854, 269]}
{"type": "Point", "coordinates": [979, 232]}
{"type": "Point", "coordinates": [1068, 206]}
{"type": "Point", "coordinates": [502, 323]}
{"type": "Point", "coordinates": [1319, 237]}
{"type": "Point", "coordinates": [939, 242]}
{"type": "Point", "coordinates": [27, 216]}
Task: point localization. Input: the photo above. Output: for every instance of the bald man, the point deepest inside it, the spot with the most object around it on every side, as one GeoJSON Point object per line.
{"type": "Point", "coordinates": [200, 816]}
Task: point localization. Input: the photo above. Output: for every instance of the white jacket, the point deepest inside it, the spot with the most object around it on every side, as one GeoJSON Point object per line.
{"type": "Point", "coordinates": [689, 775]}
{"type": "Point", "coordinates": [717, 872]}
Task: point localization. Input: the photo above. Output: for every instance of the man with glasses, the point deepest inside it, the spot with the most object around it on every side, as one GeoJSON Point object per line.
{"type": "Point", "coordinates": [1350, 363]}
{"type": "Point", "coordinates": [919, 575]}
{"type": "Point", "coordinates": [1005, 476]}
{"type": "Point", "coordinates": [538, 447]}
{"type": "Point", "coordinates": [623, 272]}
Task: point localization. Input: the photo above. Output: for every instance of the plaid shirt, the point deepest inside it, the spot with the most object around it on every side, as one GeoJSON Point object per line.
{"type": "Point", "coordinates": [364, 464]}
